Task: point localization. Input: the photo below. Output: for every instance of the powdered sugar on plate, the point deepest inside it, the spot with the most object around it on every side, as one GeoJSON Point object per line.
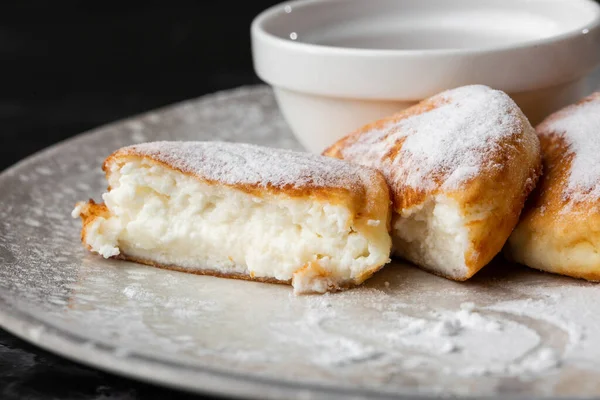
{"type": "Point", "coordinates": [508, 331]}
{"type": "Point", "coordinates": [450, 143]}
{"type": "Point", "coordinates": [579, 126]}
{"type": "Point", "coordinates": [467, 341]}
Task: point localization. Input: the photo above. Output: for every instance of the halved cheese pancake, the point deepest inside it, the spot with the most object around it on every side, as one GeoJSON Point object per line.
{"type": "Point", "coordinates": [460, 166]}
{"type": "Point", "coordinates": [560, 228]}
{"type": "Point", "coordinates": [242, 211]}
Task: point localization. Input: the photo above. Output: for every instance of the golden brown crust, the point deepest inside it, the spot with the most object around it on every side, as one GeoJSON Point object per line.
{"type": "Point", "coordinates": [502, 192]}
{"type": "Point", "coordinates": [556, 233]}
{"type": "Point", "coordinates": [499, 191]}
{"type": "Point", "coordinates": [89, 212]}
{"type": "Point", "coordinates": [403, 196]}
{"type": "Point", "coordinates": [121, 156]}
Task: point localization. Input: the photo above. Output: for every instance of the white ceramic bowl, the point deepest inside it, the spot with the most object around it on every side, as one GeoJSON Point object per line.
{"type": "Point", "coordinates": [338, 64]}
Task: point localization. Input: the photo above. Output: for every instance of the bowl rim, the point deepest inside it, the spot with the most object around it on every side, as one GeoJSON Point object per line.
{"type": "Point", "coordinates": [413, 74]}
{"type": "Point", "coordinates": [275, 11]}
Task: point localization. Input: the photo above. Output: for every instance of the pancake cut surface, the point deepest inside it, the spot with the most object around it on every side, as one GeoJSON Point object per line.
{"type": "Point", "coordinates": [460, 166]}
{"type": "Point", "coordinates": [242, 211]}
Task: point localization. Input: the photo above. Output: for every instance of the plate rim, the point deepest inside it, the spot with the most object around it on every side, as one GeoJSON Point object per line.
{"type": "Point", "coordinates": [158, 371]}
{"type": "Point", "coordinates": [16, 319]}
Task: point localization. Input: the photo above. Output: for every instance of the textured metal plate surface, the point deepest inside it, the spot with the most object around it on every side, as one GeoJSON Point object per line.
{"type": "Point", "coordinates": [509, 331]}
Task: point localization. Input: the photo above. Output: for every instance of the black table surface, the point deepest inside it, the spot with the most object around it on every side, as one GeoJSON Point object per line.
{"type": "Point", "coordinates": [71, 66]}
{"type": "Point", "coordinates": [27, 372]}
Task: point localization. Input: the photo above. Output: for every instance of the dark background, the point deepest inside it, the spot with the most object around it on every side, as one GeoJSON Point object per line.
{"type": "Point", "coordinates": [69, 66]}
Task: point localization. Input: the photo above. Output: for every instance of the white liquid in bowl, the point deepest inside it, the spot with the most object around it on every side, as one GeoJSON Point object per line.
{"type": "Point", "coordinates": [426, 39]}
{"type": "Point", "coordinates": [450, 31]}
{"type": "Point", "coordinates": [427, 24]}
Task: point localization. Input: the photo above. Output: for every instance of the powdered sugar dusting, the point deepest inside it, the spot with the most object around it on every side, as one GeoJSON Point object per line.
{"type": "Point", "coordinates": [246, 164]}
{"type": "Point", "coordinates": [466, 341]}
{"type": "Point", "coordinates": [579, 126]}
{"type": "Point", "coordinates": [448, 144]}
{"type": "Point", "coordinates": [508, 332]}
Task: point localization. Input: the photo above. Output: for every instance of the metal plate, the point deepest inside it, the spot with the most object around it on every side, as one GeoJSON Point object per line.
{"type": "Point", "coordinates": [404, 333]}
